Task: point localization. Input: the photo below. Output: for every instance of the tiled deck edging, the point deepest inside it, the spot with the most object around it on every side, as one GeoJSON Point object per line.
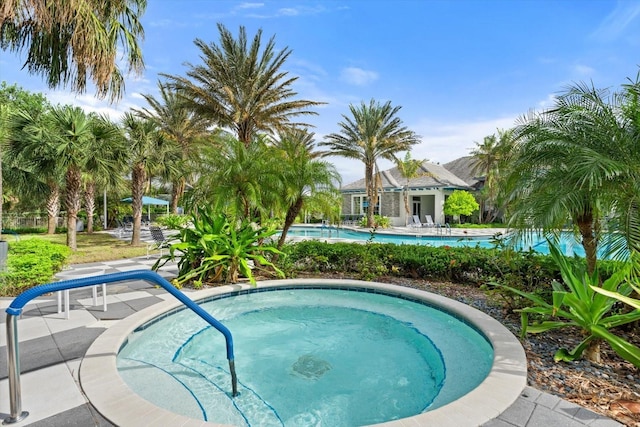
{"type": "Point", "coordinates": [109, 394]}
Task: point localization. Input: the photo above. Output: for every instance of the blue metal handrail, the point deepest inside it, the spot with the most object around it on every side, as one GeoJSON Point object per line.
{"type": "Point", "coordinates": [16, 306]}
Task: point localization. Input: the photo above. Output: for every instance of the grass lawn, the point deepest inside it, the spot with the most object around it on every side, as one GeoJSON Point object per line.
{"type": "Point", "coordinates": [95, 247]}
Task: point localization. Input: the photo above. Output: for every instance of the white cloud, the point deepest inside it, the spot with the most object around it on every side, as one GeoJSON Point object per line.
{"type": "Point", "coordinates": [583, 70]}
{"type": "Point", "coordinates": [547, 102]}
{"type": "Point", "coordinates": [444, 142]}
{"type": "Point", "coordinates": [617, 21]}
{"type": "Point", "coordinates": [441, 143]}
{"type": "Point", "coordinates": [250, 5]}
{"type": "Point", "coordinates": [358, 76]}
{"type": "Point", "coordinates": [91, 104]}
{"type": "Point", "coordinates": [288, 11]}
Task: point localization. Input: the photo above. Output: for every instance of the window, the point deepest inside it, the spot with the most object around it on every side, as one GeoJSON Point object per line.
{"type": "Point", "coordinates": [361, 204]}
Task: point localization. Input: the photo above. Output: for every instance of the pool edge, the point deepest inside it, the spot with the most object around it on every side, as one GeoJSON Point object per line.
{"type": "Point", "coordinates": [110, 395]}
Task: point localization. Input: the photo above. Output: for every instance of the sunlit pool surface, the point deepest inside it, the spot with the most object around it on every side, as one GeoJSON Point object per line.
{"type": "Point", "coordinates": [568, 244]}
{"type": "Point", "coordinates": [333, 357]}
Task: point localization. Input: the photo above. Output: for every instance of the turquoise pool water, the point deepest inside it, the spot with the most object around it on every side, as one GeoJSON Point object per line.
{"type": "Point", "coordinates": [304, 357]}
{"type": "Point", "coordinates": [568, 244]}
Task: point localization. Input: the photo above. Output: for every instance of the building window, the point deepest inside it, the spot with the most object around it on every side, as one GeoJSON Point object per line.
{"type": "Point", "coordinates": [360, 205]}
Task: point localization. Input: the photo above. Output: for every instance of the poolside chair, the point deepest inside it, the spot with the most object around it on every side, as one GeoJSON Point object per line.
{"type": "Point", "coordinates": [429, 222]}
{"type": "Point", "coordinates": [415, 222]}
{"type": "Point", "coordinates": [123, 228]}
{"type": "Point", "coordinates": [159, 240]}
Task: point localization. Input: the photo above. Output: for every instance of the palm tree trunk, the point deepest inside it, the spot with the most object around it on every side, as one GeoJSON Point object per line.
{"type": "Point", "coordinates": [173, 205]}
{"type": "Point", "coordinates": [138, 179]}
{"type": "Point", "coordinates": [370, 184]}
{"type": "Point", "coordinates": [589, 242]}
{"type": "Point", "coordinates": [90, 204]}
{"type": "Point", "coordinates": [53, 207]}
{"type": "Point", "coordinates": [177, 190]}
{"type": "Point", "coordinates": [73, 182]}
{"type": "Point", "coordinates": [292, 214]}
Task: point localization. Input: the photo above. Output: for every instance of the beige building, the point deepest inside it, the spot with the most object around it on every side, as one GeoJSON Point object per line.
{"type": "Point", "coordinates": [426, 194]}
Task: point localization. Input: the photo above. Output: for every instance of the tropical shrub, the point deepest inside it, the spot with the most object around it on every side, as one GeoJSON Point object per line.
{"type": "Point", "coordinates": [218, 249]}
{"type": "Point", "coordinates": [30, 263]}
{"type": "Point", "coordinates": [460, 202]}
{"type": "Point", "coordinates": [378, 221]}
{"type": "Point", "coordinates": [476, 266]}
{"type": "Point", "coordinates": [576, 302]}
{"type": "Point", "coordinates": [174, 222]}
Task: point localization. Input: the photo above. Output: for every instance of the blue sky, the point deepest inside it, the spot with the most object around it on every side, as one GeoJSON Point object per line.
{"type": "Point", "coordinates": [459, 69]}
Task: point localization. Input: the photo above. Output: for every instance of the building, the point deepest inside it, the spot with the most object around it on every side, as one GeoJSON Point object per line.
{"type": "Point", "coordinates": [426, 193]}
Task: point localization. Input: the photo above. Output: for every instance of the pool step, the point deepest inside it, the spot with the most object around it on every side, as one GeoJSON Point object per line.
{"type": "Point", "coordinates": [254, 410]}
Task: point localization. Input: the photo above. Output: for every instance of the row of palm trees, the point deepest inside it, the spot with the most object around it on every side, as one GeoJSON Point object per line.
{"type": "Point", "coordinates": [575, 165]}
{"type": "Point", "coordinates": [226, 130]}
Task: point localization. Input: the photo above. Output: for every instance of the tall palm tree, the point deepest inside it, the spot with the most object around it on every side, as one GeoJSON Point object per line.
{"type": "Point", "coordinates": [409, 168]}
{"type": "Point", "coordinates": [13, 102]}
{"type": "Point", "coordinates": [242, 87]}
{"type": "Point", "coordinates": [491, 161]}
{"type": "Point", "coordinates": [5, 136]}
{"type": "Point", "coordinates": [35, 156]}
{"type": "Point", "coordinates": [373, 132]}
{"type": "Point", "coordinates": [68, 41]}
{"type": "Point", "coordinates": [571, 162]}
{"type": "Point", "coordinates": [180, 125]}
{"type": "Point", "coordinates": [303, 174]}
{"type": "Point", "coordinates": [72, 140]}
{"type": "Point", "coordinates": [145, 153]}
{"type": "Point", "coordinates": [106, 166]}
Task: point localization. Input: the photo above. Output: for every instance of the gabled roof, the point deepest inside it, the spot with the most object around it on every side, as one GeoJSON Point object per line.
{"type": "Point", "coordinates": [430, 175]}
{"type": "Point", "coordinates": [463, 169]}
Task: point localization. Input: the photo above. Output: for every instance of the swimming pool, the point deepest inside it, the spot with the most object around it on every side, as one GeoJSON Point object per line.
{"type": "Point", "coordinates": [300, 376]}
{"type": "Point", "coordinates": [568, 244]}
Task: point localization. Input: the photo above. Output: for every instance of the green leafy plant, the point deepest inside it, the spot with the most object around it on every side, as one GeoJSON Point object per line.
{"type": "Point", "coordinates": [575, 302]}
{"type": "Point", "coordinates": [633, 282]}
{"type": "Point", "coordinates": [217, 249]}
{"type": "Point", "coordinates": [174, 222]}
{"type": "Point", "coordinates": [31, 262]}
{"type": "Point", "coordinates": [460, 202]}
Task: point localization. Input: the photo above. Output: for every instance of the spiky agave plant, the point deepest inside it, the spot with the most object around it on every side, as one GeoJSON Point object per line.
{"type": "Point", "coordinates": [581, 301]}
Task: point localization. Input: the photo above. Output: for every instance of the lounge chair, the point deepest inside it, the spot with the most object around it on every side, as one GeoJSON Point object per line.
{"type": "Point", "coordinates": [429, 222]}
{"type": "Point", "coordinates": [415, 222]}
{"type": "Point", "coordinates": [123, 228]}
{"type": "Point", "coordinates": [159, 240]}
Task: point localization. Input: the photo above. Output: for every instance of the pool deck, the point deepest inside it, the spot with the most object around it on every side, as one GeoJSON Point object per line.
{"type": "Point", "coordinates": [52, 349]}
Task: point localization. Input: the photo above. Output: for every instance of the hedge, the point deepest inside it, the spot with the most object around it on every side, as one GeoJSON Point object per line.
{"type": "Point", "coordinates": [30, 263]}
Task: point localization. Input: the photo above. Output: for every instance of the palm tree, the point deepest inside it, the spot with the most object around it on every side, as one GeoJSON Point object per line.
{"type": "Point", "coordinates": [71, 138]}
{"type": "Point", "coordinates": [373, 132]}
{"type": "Point", "coordinates": [5, 136]}
{"type": "Point", "coordinates": [145, 154]}
{"type": "Point", "coordinates": [180, 125]}
{"type": "Point", "coordinates": [303, 174]}
{"type": "Point", "coordinates": [36, 159]}
{"type": "Point", "coordinates": [571, 163]}
{"type": "Point", "coordinates": [238, 179]}
{"type": "Point", "coordinates": [66, 42]}
{"type": "Point", "coordinates": [242, 87]}
{"type": "Point", "coordinates": [15, 101]}
{"type": "Point", "coordinates": [409, 168]}
{"type": "Point", "coordinates": [105, 167]}
{"type": "Point", "coordinates": [491, 161]}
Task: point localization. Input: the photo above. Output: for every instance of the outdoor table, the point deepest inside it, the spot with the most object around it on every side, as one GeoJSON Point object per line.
{"type": "Point", "coordinates": [79, 274]}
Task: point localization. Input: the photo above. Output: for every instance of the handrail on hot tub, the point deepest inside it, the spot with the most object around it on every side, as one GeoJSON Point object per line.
{"type": "Point", "coordinates": [15, 309]}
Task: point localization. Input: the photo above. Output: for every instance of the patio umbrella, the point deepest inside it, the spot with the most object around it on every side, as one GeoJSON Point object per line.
{"type": "Point", "coordinates": [148, 201]}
